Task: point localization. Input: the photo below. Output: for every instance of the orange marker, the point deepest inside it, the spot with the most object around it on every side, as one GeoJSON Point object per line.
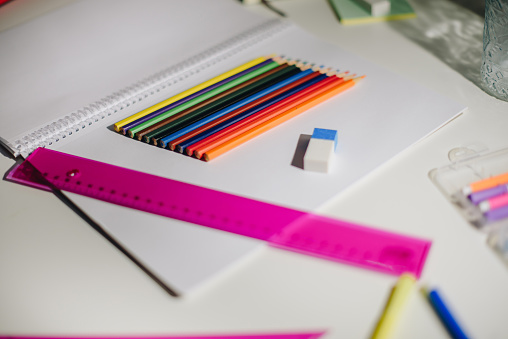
{"type": "Point", "coordinates": [278, 119]}
{"type": "Point", "coordinates": [486, 183]}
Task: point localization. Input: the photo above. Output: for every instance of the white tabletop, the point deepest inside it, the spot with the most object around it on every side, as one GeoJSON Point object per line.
{"type": "Point", "coordinates": [60, 277]}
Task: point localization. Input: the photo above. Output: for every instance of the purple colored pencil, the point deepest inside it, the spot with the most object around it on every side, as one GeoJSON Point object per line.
{"type": "Point", "coordinates": [479, 196]}
{"type": "Point", "coordinates": [147, 117]}
{"type": "Point", "coordinates": [496, 214]}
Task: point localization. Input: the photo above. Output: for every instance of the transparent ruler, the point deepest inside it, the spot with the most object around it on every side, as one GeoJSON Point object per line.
{"type": "Point", "coordinates": [281, 227]}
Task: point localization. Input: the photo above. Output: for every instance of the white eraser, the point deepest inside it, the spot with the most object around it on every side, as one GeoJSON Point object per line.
{"type": "Point", "coordinates": [319, 154]}
{"type": "Point", "coordinates": [376, 7]}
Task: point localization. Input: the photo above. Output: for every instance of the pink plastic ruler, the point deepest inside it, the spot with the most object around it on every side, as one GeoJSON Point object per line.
{"type": "Point", "coordinates": [281, 227]}
{"type": "Point", "coordinates": [310, 335]}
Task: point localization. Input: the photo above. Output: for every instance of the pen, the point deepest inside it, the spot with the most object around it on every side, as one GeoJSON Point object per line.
{"type": "Point", "coordinates": [394, 307]}
{"type": "Point", "coordinates": [446, 316]}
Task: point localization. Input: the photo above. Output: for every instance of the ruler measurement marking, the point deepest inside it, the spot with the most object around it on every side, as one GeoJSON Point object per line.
{"type": "Point", "coordinates": [281, 227]}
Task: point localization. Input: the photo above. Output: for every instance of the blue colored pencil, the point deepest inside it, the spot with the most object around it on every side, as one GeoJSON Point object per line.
{"type": "Point", "coordinates": [192, 96]}
{"type": "Point", "coordinates": [181, 147]}
{"type": "Point", "coordinates": [446, 316]}
{"type": "Point", "coordinates": [163, 141]}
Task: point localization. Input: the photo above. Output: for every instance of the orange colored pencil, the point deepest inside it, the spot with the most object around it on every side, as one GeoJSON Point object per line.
{"type": "Point", "coordinates": [251, 132]}
{"type": "Point", "coordinates": [200, 147]}
{"type": "Point", "coordinates": [172, 145]}
{"type": "Point", "coordinates": [220, 137]}
{"type": "Point", "coordinates": [203, 146]}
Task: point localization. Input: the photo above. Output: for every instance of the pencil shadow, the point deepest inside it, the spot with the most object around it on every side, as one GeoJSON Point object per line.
{"type": "Point", "coordinates": [5, 152]}
{"type": "Point", "coordinates": [301, 147]}
{"type": "Point", "coordinates": [111, 128]}
{"type": "Point", "coordinates": [32, 174]}
{"type": "Point", "coordinates": [450, 31]}
{"type": "Point", "coordinates": [17, 162]}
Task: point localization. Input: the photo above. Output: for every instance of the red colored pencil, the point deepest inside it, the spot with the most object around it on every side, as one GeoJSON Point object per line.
{"type": "Point", "coordinates": [172, 145]}
{"type": "Point", "coordinates": [259, 127]}
{"type": "Point", "coordinates": [212, 141]}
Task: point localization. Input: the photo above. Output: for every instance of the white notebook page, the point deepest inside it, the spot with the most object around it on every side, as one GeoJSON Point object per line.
{"type": "Point", "coordinates": [377, 119]}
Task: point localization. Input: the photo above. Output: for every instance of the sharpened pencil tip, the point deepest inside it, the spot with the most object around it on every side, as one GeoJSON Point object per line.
{"type": "Point", "coordinates": [358, 79]}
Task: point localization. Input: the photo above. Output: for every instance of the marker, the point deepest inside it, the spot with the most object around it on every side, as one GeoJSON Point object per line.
{"type": "Point", "coordinates": [494, 181]}
{"type": "Point", "coordinates": [479, 196]}
{"type": "Point", "coordinates": [493, 203]}
{"type": "Point", "coordinates": [451, 324]}
{"type": "Point", "coordinates": [496, 214]}
{"type": "Point", "coordinates": [395, 307]}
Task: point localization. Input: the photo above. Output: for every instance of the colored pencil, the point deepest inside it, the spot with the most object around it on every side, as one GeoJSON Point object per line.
{"type": "Point", "coordinates": [224, 102]}
{"type": "Point", "coordinates": [140, 135]}
{"type": "Point", "coordinates": [249, 128]}
{"type": "Point", "coordinates": [254, 112]}
{"type": "Point", "coordinates": [188, 92]}
{"type": "Point", "coordinates": [449, 321]}
{"type": "Point", "coordinates": [147, 117]}
{"type": "Point", "coordinates": [172, 145]}
{"type": "Point", "coordinates": [230, 132]}
{"type": "Point", "coordinates": [252, 132]}
{"type": "Point", "coordinates": [203, 97]}
{"type": "Point", "coordinates": [233, 107]}
{"type": "Point", "coordinates": [395, 306]}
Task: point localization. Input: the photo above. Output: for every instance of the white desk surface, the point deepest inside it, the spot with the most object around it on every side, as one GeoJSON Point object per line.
{"type": "Point", "coordinates": [60, 277]}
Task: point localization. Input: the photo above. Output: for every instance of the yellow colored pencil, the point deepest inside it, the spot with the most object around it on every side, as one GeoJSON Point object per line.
{"type": "Point", "coordinates": [188, 92]}
{"type": "Point", "coordinates": [395, 307]}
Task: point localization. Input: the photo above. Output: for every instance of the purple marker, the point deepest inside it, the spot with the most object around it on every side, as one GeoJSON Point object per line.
{"type": "Point", "coordinates": [479, 196]}
{"type": "Point", "coordinates": [147, 117]}
{"type": "Point", "coordinates": [496, 214]}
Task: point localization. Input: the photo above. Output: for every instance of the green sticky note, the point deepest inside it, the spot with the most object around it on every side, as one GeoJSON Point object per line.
{"type": "Point", "coordinates": [350, 12]}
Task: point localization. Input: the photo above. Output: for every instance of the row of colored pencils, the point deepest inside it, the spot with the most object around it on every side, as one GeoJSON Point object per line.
{"type": "Point", "coordinates": [215, 116]}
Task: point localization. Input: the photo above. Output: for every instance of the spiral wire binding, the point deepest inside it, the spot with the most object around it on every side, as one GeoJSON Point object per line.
{"type": "Point", "coordinates": [66, 126]}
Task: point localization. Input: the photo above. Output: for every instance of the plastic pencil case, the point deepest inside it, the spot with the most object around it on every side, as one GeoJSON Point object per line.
{"type": "Point", "coordinates": [468, 168]}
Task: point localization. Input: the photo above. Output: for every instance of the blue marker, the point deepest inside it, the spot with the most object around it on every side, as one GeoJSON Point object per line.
{"type": "Point", "coordinates": [446, 316]}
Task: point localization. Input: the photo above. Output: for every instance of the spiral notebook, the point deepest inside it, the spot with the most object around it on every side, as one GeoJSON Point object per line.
{"type": "Point", "coordinates": [69, 75]}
